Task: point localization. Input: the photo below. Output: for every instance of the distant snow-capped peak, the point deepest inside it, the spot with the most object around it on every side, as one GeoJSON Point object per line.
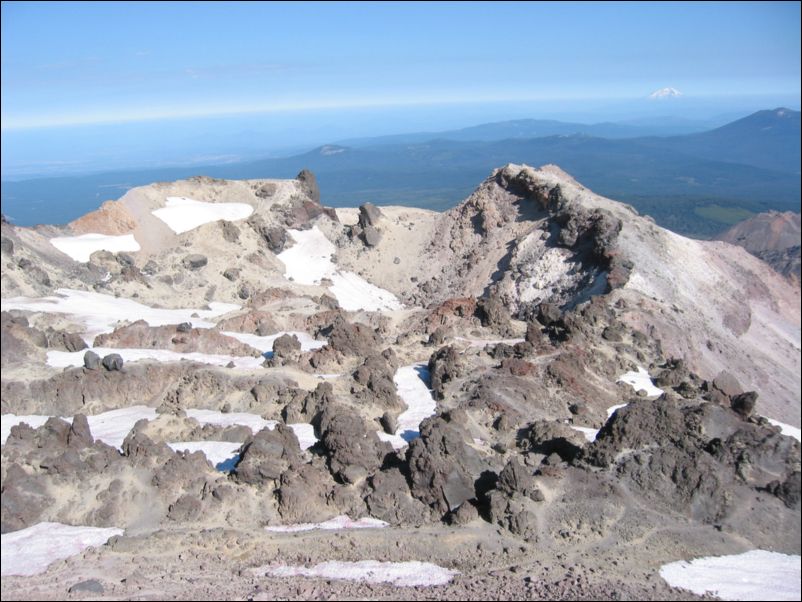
{"type": "Point", "coordinates": [665, 93]}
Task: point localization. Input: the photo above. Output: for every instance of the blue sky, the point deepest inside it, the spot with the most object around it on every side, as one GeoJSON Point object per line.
{"type": "Point", "coordinates": [76, 63]}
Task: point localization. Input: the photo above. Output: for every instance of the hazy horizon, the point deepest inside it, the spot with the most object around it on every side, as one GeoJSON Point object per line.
{"type": "Point", "coordinates": [91, 87]}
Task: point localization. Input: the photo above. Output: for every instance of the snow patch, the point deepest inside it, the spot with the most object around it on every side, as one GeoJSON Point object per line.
{"type": "Point", "coordinates": [101, 313]}
{"type": "Point", "coordinates": [67, 359]}
{"type": "Point", "coordinates": [79, 248]}
{"type": "Point", "coordinates": [402, 574]}
{"type": "Point", "coordinates": [31, 550]}
{"type": "Point", "coordinates": [265, 344]}
{"type": "Point", "coordinates": [612, 409]}
{"type": "Point", "coordinates": [304, 432]}
{"type": "Point", "coordinates": [484, 342]}
{"type": "Point", "coordinates": [109, 427]}
{"type": "Point", "coordinates": [665, 93]}
{"type": "Point", "coordinates": [411, 385]}
{"type": "Point", "coordinates": [253, 421]}
{"type": "Point", "coordinates": [587, 432]}
{"type": "Point", "coordinates": [182, 214]}
{"type": "Point", "coordinates": [787, 429]}
{"type": "Point", "coordinates": [309, 262]}
{"type": "Point", "coordinates": [754, 575]}
{"type": "Point", "coordinates": [640, 380]}
{"type": "Point", "coordinates": [336, 523]}
{"type": "Point", "coordinates": [219, 453]}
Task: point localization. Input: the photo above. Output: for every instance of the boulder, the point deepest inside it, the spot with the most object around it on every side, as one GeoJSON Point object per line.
{"type": "Point", "coordinates": [353, 451]}
{"type": "Point", "coordinates": [369, 215]}
{"type": "Point", "coordinates": [443, 467]}
{"type": "Point", "coordinates": [112, 362]}
{"type": "Point", "coordinates": [91, 360]}
{"type": "Point", "coordinates": [195, 261]}
{"type": "Point", "coordinates": [267, 454]}
{"type": "Point", "coordinates": [444, 367]}
{"type": "Point", "coordinates": [744, 404]}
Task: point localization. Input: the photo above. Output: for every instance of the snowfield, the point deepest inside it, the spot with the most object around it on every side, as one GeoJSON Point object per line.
{"type": "Point", "coordinates": [101, 313]}
{"type": "Point", "coordinates": [754, 575]}
{"type": "Point", "coordinates": [69, 359]}
{"type": "Point", "coordinates": [182, 214]}
{"type": "Point", "coordinates": [110, 427]}
{"type": "Point", "coordinates": [304, 432]}
{"type": "Point", "coordinates": [309, 262]}
{"type": "Point", "coordinates": [402, 574]}
{"type": "Point", "coordinates": [219, 453]}
{"type": "Point", "coordinates": [253, 421]}
{"type": "Point", "coordinates": [411, 385]}
{"type": "Point", "coordinates": [31, 550]}
{"type": "Point", "coordinates": [80, 248]}
{"type": "Point", "coordinates": [787, 429]}
{"type": "Point", "coordinates": [641, 380]}
{"type": "Point", "coordinates": [265, 343]}
{"type": "Point", "coordinates": [333, 524]}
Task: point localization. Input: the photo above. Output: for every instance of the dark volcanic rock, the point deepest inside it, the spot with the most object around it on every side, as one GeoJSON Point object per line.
{"type": "Point", "coordinates": [376, 377]}
{"type": "Point", "coordinates": [230, 231]}
{"type": "Point", "coordinates": [353, 450]}
{"type": "Point", "coordinates": [112, 362]}
{"type": "Point", "coordinates": [267, 454]}
{"type": "Point", "coordinates": [351, 339]}
{"type": "Point", "coordinates": [371, 236]}
{"type": "Point", "coordinates": [442, 466]}
{"type": "Point", "coordinates": [286, 350]}
{"type": "Point", "coordinates": [308, 183]}
{"type": "Point", "coordinates": [553, 437]}
{"type": "Point", "coordinates": [91, 360]}
{"type": "Point", "coordinates": [744, 404]}
{"type": "Point", "coordinates": [276, 239]}
{"type": "Point", "coordinates": [194, 261]}
{"type": "Point", "coordinates": [89, 586]}
{"type": "Point", "coordinates": [302, 494]}
{"type": "Point", "coordinates": [494, 315]}
{"type": "Point", "coordinates": [517, 478]}
{"type": "Point", "coordinates": [511, 503]}
{"type": "Point", "coordinates": [369, 215]}
{"type": "Point", "coordinates": [389, 499]}
{"type": "Point", "coordinates": [699, 459]}
{"type": "Point", "coordinates": [444, 366]}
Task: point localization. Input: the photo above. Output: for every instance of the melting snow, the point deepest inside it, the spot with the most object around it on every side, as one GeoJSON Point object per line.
{"type": "Point", "coordinates": [588, 433]}
{"type": "Point", "coordinates": [182, 214]}
{"type": "Point", "coordinates": [30, 551]}
{"type": "Point", "coordinates": [110, 427]}
{"type": "Point", "coordinates": [219, 453]}
{"type": "Point", "coordinates": [101, 313]}
{"type": "Point", "coordinates": [79, 248]}
{"type": "Point", "coordinates": [253, 421]}
{"type": "Point", "coordinates": [787, 429]}
{"type": "Point", "coordinates": [308, 261]}
{"type": "Point", "coordinates": [403, 574]}
{"type": "Point", "coordinates": [411, 384]}
{"type": "Point", "coordinates": [304, 432]}
{"type": "Point", "coordinates": [755, 575]}
{"type": "Point", "coordinates": [483, 342]}
{"type": "Point", "coordinates": [338, 522]}
{"type": "Point", "coordinates": [611, 410]}
{"type": "Point", "coordinates": [640, 380]}
{"type": "Point", "coordinates": [265, 344]}
{"type": "Point", "coordinates": [64, 359]}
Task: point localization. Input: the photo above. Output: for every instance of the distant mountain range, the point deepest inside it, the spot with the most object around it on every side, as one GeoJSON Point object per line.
{"type": "Point", "coordinates": [697, 184]}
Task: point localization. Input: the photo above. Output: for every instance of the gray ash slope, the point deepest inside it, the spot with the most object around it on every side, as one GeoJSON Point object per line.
{"type": "Point", "coordinates": [774, 237]}
{"type": "Point", "coordinates": [568, 289]}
